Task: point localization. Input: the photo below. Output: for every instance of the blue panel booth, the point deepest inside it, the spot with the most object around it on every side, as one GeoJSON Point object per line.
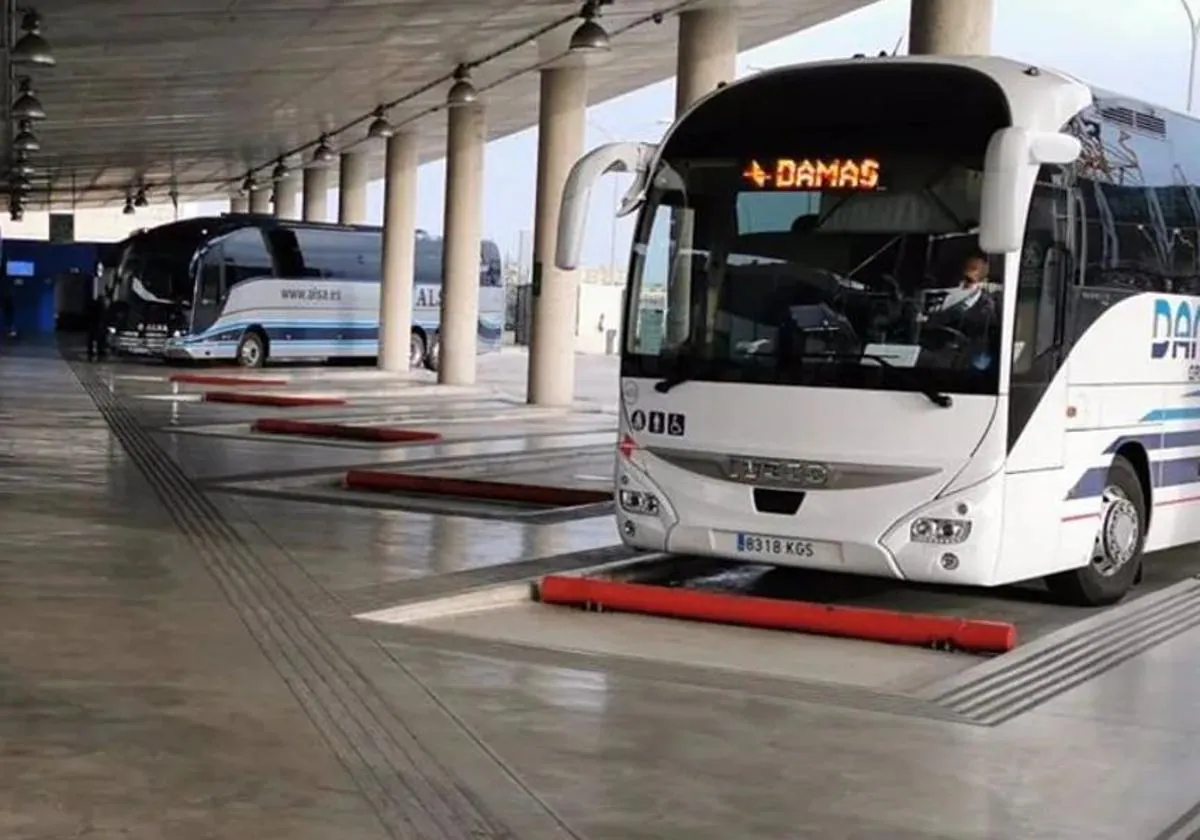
{"type": "Point", "coordinates": [46, 282]}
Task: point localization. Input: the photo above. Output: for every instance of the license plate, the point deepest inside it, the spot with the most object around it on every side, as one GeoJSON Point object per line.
{"type": "Point", "coordinates": [764, 546]}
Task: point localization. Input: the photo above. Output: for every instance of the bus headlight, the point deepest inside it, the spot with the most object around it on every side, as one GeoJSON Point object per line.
{"type": "Point", "coordinates": [638, 501]}
{"type": "Point", "coordinates": [940, 531]}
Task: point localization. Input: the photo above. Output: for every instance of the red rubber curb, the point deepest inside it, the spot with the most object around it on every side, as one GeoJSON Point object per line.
{"type": "Point", "coordinates": [277, 400]}
{"type": "Point", "coordinates": [973, 635]}
{"type": "Point", "coordinates": [212, 379]}
{"type": "Point", "coordinates": [373, 434]}
{"type": "Point", "coordinates": [463, 488]}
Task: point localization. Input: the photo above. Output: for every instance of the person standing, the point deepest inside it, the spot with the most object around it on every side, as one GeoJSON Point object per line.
{"type": "Point", "coordinates": [8, 309]}
{"type": "Point", "coordinates": [96, 319]}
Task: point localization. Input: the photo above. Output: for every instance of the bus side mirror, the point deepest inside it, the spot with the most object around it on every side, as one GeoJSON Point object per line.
{"type": "Point", "coordinates": [1010, 170]}
{"type": "Point", "coordinates": [572, 217]}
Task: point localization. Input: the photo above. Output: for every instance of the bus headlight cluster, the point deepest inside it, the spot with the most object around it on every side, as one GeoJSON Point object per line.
{"type": "Point", "coordinates": [637, 501]}
{"type": "Point", "coordinates": [940, 531]}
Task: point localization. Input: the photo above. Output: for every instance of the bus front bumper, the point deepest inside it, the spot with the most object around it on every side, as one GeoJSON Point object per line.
{"type": "Point", "coordinates": [133, 343]}
{"type": "Point", "coordinates": [176, 349]}
{"type": "Point", "coordinates": [953, 540]}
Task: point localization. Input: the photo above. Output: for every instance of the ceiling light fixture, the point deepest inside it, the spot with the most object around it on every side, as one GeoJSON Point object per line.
{"type": "Point", "coordinates": [589, 36]}
{"type": "Point", "coordinates": [462, 92]}
{"type": "Point", "coordinates": [20, 165]}
{"type": "Point", "coordinates": [279, 172]}
{"type": "Point", "coordinates": [323, 153]}
{"type": "Point", "coordinates": [27, 106]}
{"type": "Point", "coordinates": [31, 47]}
{"type": "Point", "coordinates": [248, 185]}
{"type": "Point", "coordinates": [380, 128]}
{"type": "Point", "coordinates": [25, 141]}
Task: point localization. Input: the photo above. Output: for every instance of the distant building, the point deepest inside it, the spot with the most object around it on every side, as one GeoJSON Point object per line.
{"type": "Point", "coordinates": [93, 224]}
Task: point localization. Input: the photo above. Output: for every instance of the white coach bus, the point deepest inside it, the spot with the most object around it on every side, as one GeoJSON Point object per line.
{"type": "Point", "coordinates": [933, 319]}
{"type": "Point", "coordinates": [251, 288]}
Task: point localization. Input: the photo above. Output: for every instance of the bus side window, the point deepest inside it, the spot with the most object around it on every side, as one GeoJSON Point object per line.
{"type": "Point", "coordinates": [246, 257]}
{"type": "Point", "coordinates": [1045, 265]}
{"type": "Point", "coordinates": [289, 263]}
{"type": "Point", "coordinates": [211, 277]}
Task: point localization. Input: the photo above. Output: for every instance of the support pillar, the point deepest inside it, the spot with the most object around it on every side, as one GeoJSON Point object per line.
{"type": "Point", "coordinates": [287, 198]}
{"type": "Point", "coordinates": [239, 204]}
{"type": "Point", "coordinates": [706, 54]}
{"type": "Point", "coordinates": [706, 57]}
{"type": "Point", "coordinates": [562, 112]}
{"type": "Point", "coordinates": [461, 245]}
{"type": "Point", "coordinates": [399, 252]}
{"type": "Point", "coordinates": [316, 194]}
{"type": "Point", "coordinates": [352, 188]}
{"type": "Point", "coordinates": [950, 27]}
{"type": "Point", "coordinates": [260, 200]}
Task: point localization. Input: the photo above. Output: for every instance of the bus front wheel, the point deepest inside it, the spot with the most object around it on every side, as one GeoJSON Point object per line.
{"type": "Point", "coordinates": [252, 350]}
{"type": "Point", "coordinates": [1116, 561]}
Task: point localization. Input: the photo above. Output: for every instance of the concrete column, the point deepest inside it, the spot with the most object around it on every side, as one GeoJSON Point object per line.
{"type": "Point", "coordinates": [706, 54]}
{"type": "Point", "coordinates": [239, 204]}
{"type": "Point", "coordinates": [352, 188]}
{"type": "Point", "coordinates": [706, 57]}
{"type": "Point", "coordinates": [562, 111]}
{"type": "Point", "coordinates": [316, 194]}
{"type": "Point", "coordinates": [287, 198]}
{"type": "Point", "coordinates": [399, 251]}
{"type": "Point", "coordinates": [460, 254]}
{"type": "Point", "coordinates": [950, 27]}
{"type": "Point", "coordinates": [260, 200]}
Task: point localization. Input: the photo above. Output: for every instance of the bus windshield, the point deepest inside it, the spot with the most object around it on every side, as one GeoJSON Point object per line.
{"type": "Point", "coordinates": [856, 272]}
{"type": "Point", "coordinates": [157, 266]}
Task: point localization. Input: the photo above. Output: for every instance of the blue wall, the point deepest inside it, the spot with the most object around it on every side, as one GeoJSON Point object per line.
{"type": "Point", "coordinates": [33, 296]}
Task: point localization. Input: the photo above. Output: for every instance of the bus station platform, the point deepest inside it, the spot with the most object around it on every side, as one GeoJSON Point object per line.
{"type": "Point", "coordinates": [269, 619]}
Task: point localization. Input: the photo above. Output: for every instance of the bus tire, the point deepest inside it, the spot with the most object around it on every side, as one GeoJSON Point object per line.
{"type": "Point", "coordinates": [252, 349]}
{"type": "Point", "coordinates": [417, 348]}
{"type": "Point", "coordinates": [1116, 561]}
{"type": "Point", "coordinates": [433, 354]}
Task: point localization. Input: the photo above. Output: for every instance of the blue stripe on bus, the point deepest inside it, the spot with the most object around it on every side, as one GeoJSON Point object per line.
{"type": "Point", "coordinates": [1174, 472]}
{"type": "Point", "coordinates": [314, 331]}
{"type": "Point", "coordinates": [1162, 415]}
{"type": "Point", "coordinates": [1160, 440]}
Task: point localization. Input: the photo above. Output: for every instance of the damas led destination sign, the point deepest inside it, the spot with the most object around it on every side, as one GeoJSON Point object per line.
{"type": "Point", "coordinates": [812, 174]}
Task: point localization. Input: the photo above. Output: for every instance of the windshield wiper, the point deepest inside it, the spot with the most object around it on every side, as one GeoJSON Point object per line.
{"type": "Point", "coordinates": [936, 397]}
{"type": "Point", "coordinates": [676, 377]}
{"type": "Point", "coordinates": [681, 370]}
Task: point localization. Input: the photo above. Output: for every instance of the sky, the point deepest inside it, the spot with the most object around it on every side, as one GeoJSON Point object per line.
{"type": "Point", "coordinates": [1139, 48]}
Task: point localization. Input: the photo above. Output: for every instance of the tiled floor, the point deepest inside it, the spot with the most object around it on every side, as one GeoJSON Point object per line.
{"type": "Point", "coordinates": [179, 662]}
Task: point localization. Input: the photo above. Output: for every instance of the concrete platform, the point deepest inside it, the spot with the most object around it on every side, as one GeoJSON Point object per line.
{"type": "Point", "coordinates": [179, 661]}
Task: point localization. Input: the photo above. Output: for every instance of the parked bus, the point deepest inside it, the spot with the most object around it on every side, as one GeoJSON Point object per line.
{"type": "Point", "coordinates": [246, 288]}
{"type": "Point", "coordinates": [934, 319]}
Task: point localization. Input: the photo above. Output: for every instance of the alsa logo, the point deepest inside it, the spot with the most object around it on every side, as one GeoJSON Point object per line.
{"type": "Point", "coordinates": [1176, 324]}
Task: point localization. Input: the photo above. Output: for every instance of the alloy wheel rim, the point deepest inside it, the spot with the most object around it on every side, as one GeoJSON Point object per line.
{"type": "Point", "coordinates": [1118, 535]}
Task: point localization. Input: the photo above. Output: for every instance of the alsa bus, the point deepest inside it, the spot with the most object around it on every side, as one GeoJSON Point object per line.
{"type": "Point", "coordinates": [817, 372]}
{"type": "Point", "coordinates": [245, 288]}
